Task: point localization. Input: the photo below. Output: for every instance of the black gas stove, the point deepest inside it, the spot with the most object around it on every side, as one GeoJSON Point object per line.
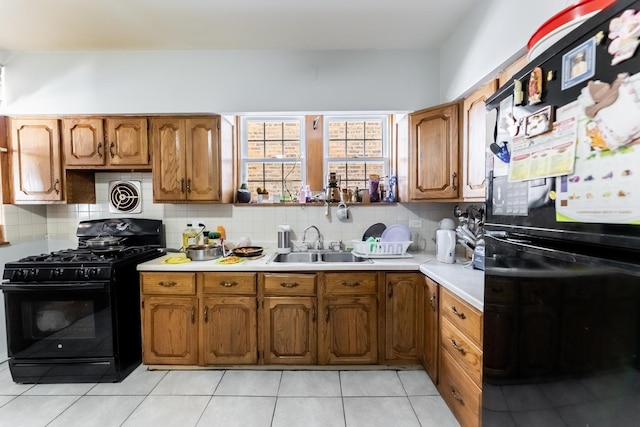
{"type": "Point", "coordinates": [74, 315]}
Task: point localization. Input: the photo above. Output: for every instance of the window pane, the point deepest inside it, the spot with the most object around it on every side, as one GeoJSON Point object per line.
{"type": "Point", "coordinates": [337, 148]}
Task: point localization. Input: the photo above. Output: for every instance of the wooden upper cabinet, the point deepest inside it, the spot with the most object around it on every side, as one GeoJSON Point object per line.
{"type": "Point", "coordinates": [186, 162]}
{"type": "Point", "coordinates": [433, 153]}
{"type": "Point", "coordinates": [35, 159]}
{"type": "Point", "coordinates": [112, 142]}
{"type": "Point", "coordinates": [474, 146]}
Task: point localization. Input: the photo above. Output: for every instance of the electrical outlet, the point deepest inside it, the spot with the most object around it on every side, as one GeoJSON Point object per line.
{"type": "Point", "coordinates": [415, 223]}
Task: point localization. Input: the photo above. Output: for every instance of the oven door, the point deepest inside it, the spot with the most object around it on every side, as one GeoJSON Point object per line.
{"type": "Point", "coordinates": [60, 321]}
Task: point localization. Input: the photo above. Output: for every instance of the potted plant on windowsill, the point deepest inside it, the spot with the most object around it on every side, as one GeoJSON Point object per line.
{"type": "Point", "coordinates": [263, 194]}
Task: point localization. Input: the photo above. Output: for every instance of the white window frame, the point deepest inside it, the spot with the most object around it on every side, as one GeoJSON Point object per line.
{"type": "Point", "coordinates": [364, 117]}
{"type": "Point", "coordinates": [244, 145]}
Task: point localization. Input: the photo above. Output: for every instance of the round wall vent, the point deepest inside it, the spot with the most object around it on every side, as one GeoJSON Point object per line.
{"type": "Point", "coordinates": [125, 197]}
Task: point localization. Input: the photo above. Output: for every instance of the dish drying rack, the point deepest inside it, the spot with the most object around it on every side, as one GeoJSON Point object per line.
{"type": "Point", "coordinates": [378, 249]}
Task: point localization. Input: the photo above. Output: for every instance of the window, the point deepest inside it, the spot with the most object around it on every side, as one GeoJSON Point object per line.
{"type": "Point", "coordinates": [279, 153]}
{"type": "Point", "coordinates": [272, 154]}
{"type": "Point", "coordinates": [355, 148]}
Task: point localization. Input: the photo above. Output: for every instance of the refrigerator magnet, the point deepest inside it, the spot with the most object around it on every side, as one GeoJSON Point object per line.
{"type": "Point", "coordinates": [539, 122]}
{"type": "Point", "coordinates": [624, 31]}
{"type": "Point", "coordinates": [534, 88]}
{"type": "Point", "coordinates": [579, 64]}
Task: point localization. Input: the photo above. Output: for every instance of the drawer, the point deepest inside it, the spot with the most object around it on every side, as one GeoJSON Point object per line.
{"type": "Point", "coordinates": [351, 283]}
{"type": "Point", "coordinates": [289, 284]}
{"type": "Point", "coordinates": [169, 283]}
{"type": "Point", "coordinates": [462, 315]}
{"type": "Point", "coordinates": [462, 349]}
{"type": "Point", "coordinates": [461, 394]}
{"type": "Point", "coordinates": [229, 283]}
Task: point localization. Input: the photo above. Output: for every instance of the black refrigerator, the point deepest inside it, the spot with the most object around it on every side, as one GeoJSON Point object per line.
{"type": "Point", "coordinates": [562, 231]}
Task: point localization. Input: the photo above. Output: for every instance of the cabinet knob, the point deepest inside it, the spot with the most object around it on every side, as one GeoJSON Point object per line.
{"type": "Point", "coordinates": [193, 315]}
{"type": "Point", "coordinates": [206, 314]}
{"type": "Point", "coordinates": [188, 185]}
{"type": "Point", "coordinates": [100, 150]}
{"type": "Point", "coordinates": [182, 190]}
{"type": "Point", "coordinates": [289, 284]}
{"type": "Point", "coordinates": [454, 177]}
{"type": "Point", "coordinates": [460, 314]}
{"type": "Point", "coordinates": [351, 284]}
{"type": "Point", "coordinates": [112, 146]}
{"type": "Point", "coordinates": [228, 284]}
{"type": "Point", "coordinates": [458, 347]}
{"type": "Point", "coordinates": [326, 314]}
{"type": "Point", "coordinates": [56, 186]}
{"type": "Point", "coordinates": [456, 396]}
{"type": "Point", "coordinates": [167, 284]}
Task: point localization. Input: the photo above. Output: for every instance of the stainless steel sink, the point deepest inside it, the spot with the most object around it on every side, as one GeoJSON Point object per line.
{"type": "Point", "coordinates": [341, 257]}
{"type": "Point", "coordinates": [321, 256]}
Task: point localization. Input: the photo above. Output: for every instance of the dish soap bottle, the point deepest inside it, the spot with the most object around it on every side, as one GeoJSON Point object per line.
{"type": "Point", "coordinates": [189, 236]}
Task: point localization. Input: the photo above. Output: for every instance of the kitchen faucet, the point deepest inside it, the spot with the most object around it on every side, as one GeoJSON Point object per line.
{"type": "Point", "coordinates": [318, 245]}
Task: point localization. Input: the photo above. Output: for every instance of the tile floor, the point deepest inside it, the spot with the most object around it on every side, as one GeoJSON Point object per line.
{"type": "Point", "coordinates": [229, 398]}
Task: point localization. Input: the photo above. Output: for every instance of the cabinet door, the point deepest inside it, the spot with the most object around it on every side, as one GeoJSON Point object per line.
{"type": "Point", "coordinates": [349, 330]}
{"type": "Point", "coordinates": [127, 140]}
{"type": "Point", "coordinates": [433, 153]}
{"type": "Point", "coordinates": [474, 146]}
{"type": "Point", "coordinates": [290, 330]}
{"type": "Point", "coordinates": [430, 337]}
{"type": "Point", "coordinates": [402, 309]}
{"type": "Point", "coordinates": [169, 156]}
{"type": "Point", "coordinates": [203, 159]}
{"type": "Point", "coordinates": [169, 330]}
{"type": "Point", "coordinates": [35, 154]}
{"type": "Point", "coordinates": [230, 330]}
{"type": "Point", "coordinates": [83, 141]}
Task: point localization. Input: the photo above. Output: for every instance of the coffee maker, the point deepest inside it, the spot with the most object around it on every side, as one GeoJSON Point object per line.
{"type": "Point", "coordinates": [333, 188]}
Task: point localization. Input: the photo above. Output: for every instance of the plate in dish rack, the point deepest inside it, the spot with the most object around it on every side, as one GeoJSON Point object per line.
{"type": "Point", "coordinates": [396, 233]}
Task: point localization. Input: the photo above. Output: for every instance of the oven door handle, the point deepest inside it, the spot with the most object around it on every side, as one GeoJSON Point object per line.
{"type": "Point", "coordinates": [40, 287]}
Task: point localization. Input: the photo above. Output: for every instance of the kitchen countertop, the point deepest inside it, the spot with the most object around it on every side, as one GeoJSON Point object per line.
{"type": "Point", "coordinates": [462, 280]}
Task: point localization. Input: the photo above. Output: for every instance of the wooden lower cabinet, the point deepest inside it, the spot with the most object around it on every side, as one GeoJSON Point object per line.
{"type": "Point", "coordinates": [289, 319]}
{"type": "Point", "coordinates": [350, 331]}
{"type": "Point", "coordinates": [430, 337]}
{"type": "Point", "coordinates": [460, 373]}
{"type": "Point", "coordinates": [462, 394]}
{"type": "Point", "coordinates": [290, 326]}
{"type": "Point", "coordinates": [170, 330]}
{"type": "Point", "coordinates": [349, 319]}
{"type": "Point", "coordinates": [402, 315]}
{"type": "Point", "coordinates": [230, 330]}
{"type": "Point", "coordinates": [229, 318]}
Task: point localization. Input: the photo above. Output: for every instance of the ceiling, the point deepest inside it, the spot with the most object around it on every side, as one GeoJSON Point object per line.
{"type": "Point", "coordinates": [227, 24]}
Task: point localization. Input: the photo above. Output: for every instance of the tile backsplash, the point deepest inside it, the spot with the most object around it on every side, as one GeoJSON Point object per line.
{"type": "Point", "coordinates": [257, 223]}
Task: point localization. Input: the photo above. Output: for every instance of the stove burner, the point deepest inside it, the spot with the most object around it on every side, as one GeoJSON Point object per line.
{"type": "Point", "coordinates": [87, 255]}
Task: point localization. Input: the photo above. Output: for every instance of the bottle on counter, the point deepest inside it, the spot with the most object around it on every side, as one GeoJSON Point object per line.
{"type": "Point", "coordinates": [223, 234]}
{"type": "Point", "coordinates": [214, 238]}
{"type": "Point", "coordinates": [189, 236]}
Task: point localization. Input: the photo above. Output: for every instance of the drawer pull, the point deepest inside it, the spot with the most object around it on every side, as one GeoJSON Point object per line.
{"type": "Point", "coordinates": [460, 314]}
{"type": "Point", "coordinates": [458, 347]}
{"type": "Point", "coordinates": [168, 284]}
{"type": "Point", "coordinates": [456, 396]}
{"type": "Point", "coordinates": [351, 284]}
{"type": "Point", "coordinates": [206, 314]}
{"type": "Point", "coordinates": [289, 284]}
{"type": "Point", "coordinates": [228, 284]}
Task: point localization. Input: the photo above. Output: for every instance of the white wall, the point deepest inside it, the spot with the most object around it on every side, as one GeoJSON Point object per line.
{"type": "Point", "coordinates": [494, 33]}
{"type": "Point", "coordinates": [219, 81]}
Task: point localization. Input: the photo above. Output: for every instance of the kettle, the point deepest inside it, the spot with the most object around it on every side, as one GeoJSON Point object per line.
{"type": "Point", "coordinates": [446, 242]}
